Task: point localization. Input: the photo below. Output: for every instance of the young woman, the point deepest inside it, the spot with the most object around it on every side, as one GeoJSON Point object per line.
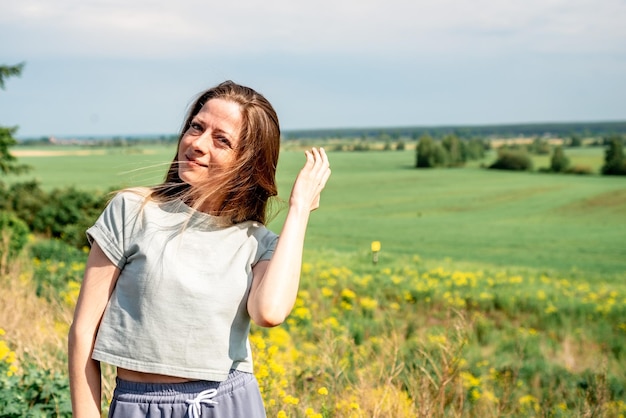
{"type": "Point", "coordinates": [176, 272]}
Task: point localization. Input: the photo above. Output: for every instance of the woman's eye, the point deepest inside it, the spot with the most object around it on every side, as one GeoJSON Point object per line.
{"type": "Point", "coordinates": [195, 127]}
{"type": "Point", "coordinates": [224, 141]}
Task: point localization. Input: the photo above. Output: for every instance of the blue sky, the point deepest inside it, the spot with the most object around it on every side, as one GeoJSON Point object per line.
{"type": "Point", "coordinates": [115, 67]}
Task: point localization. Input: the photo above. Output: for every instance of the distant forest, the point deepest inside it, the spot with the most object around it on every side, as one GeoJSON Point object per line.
{"type": "Point", "coordinates": [561, 130]}
{"type": "Point", "coordinates": [529, 130]}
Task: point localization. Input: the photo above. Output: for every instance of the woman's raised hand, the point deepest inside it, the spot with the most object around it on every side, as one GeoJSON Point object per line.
{"type": "Point", "coordinates": [311, 180]}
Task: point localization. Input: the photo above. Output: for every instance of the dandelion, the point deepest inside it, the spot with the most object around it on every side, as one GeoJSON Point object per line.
{"type": "Point", "coordinates": [331, 322]}
{"type": "Point", "coordinates": [291, 400]}
{"type": "Point", "coordinates": [368, 303]}
{"type": "Point", "coordinates": [348, 294]}
{"type": "Point", "coordinates": [437, 339]}
{"type": "Point", "coordinates": [12, 370]}
{"type": "Point", "coordinates": [322, 391]}
{"type": "Point", "coordinates": [326, 292]}
{"type": "Point", "coordinates": [345, 306]}
{"type": "Point", "coordinates": [302, 313]}
{"type": "Point", "coordinates": [475, 394]}
{"type": "Point", "coordinates": [551, 309]}
{"type": "Point", "coordinates": [469, 380]}
{"type": "Point", "coordinates": [396, 279]}
{"type": "Point", "coordinates": [4, 350]}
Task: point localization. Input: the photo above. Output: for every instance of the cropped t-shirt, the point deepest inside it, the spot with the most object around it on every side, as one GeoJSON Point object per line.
{"type": "Point", "coordinates": [179, 305]}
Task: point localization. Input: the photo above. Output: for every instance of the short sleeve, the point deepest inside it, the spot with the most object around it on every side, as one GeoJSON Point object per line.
{"type": "Point", "coordinates": [113, 227]}
{"type": "Point", "coordinates": [267, 245]}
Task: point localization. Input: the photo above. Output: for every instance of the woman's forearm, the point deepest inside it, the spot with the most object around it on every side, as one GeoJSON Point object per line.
{"type": "Point", "coordinates": [85, 379]}
{"type": "Point", "coordinates": [275, 283]}
{"type": "Point", "coordinates": [98, 284]}
{"type": "Point", "coordinates": [277, 290]}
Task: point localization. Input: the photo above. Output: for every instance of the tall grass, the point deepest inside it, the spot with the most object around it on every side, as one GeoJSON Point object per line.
{"type": "Point", "coordinates": [402, 338]}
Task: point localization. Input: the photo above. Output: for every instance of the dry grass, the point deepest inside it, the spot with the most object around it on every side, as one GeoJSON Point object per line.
{"type": "Point", "coordinates": [34, 326]}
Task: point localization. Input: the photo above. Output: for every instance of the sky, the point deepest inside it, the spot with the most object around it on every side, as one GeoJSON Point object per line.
{"type": "Point", "coordinates": [119, 67]}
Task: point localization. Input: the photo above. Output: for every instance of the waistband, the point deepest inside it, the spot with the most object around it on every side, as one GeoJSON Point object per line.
{"type": "Point", "coordinates": [178, 392]}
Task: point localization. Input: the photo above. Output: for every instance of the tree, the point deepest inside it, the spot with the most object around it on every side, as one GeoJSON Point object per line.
{"type": "Point", "coordinates": [614, 161]}
{"type": "Point", "coordinates": [425, 152]}
{"type": "Point", "coordinates": [7, 71]}
{"type": "Point", "coordinates": [453, 147]}
{"type": "Point", "coordinates": [559, 161]}
{"type": "Point", "coordinates": [8, 163]}
{"type": "Point", "coordinates": [575, 141]}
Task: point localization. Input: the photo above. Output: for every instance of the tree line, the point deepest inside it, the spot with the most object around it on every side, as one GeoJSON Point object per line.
{"type": "Point", "coordinates": [451, 151]}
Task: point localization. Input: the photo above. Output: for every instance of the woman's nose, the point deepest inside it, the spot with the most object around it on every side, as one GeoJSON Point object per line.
{"type": "Point", "coordinates": [201, 144]}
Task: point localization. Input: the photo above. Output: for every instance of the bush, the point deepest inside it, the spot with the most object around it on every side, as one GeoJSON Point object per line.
{"type": "Point", "coordinates": [68, 213]}
{"type": "Point", "coordinates": [25, 200]}
{"type": "Point", "coordinates": [56, 265]}
{"type": "Point", "coordinates": [579, 169]}
{"type": "Point", "coordinates": [509, 159]}
{"type": "Point", "coordinates": [559, 161]}
{"type": "Point", "coordinates": [13, 237]}
{"type": "Point", "coordinates": [31, 391]}
{"type": "Point", "coordinates": [614, 160]}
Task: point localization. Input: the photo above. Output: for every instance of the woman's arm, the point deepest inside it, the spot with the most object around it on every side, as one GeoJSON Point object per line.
{"type": "Point", "coordinates": [98, 283]}
{"type": "Point", "coordinates": [275, 283]}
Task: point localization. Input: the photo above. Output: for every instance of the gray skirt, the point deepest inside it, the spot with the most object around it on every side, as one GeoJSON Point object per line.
{"type": "Point", "coordinates": [237, 396]}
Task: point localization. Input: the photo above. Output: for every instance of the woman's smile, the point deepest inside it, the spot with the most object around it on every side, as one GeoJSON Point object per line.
{"type": "Point", "coordinates": [210, 142]}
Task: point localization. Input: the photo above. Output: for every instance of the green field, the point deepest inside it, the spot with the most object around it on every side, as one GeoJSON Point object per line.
{"type": "Point", "coordinates": [571, 224]}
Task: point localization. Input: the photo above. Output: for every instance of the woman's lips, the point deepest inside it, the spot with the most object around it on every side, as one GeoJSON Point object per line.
{"type": "Point", "coordinates": [193, 161]}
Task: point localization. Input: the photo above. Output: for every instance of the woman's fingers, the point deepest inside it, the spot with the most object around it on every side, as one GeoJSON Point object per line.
{"type": "Point", "coordinates": [312, 178]}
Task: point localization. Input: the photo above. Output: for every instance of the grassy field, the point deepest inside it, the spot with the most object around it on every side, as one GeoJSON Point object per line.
{"type": "Point", "coordinates": [496, 294]}
{"type": "Point", "coordinates": [571, 224]}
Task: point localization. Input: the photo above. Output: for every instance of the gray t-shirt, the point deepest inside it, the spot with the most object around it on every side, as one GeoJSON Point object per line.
{"type": "Point", "coordinates": [179, 305]}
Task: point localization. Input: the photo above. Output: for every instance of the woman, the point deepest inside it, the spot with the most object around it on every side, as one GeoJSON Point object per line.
{"type": "Point", "coordinates": [176, 272]}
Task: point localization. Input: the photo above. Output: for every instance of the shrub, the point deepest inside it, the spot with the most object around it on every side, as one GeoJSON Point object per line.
{"type": "Point", "coordinates": [68, 213]}
{"type": "Point", "coordinates": [510, 159]}
{"type": "Point", "coordinates": [579, 169]}
{"type": "Point", "coordinates": [25, 200]}
{"type": "Point", "coordinates": [614, 160]}
{"type": "Point", "coordinates": [424, 152]}
{"type": "Point", "coordinates": [56, 265]}
{"type": "Point", "coordinates": [30, 391]}
{"type": "Point", "coordinates": [559, 161]}
{"type": "Point", "coordinates": [13, 237]}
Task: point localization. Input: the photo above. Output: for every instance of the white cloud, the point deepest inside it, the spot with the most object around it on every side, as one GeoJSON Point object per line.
{"type": "Point", "coordinates": [151, 28]}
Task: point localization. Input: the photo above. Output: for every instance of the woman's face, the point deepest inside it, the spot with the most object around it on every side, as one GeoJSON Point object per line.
{"type": "Point", "coordinates": [209, 145]}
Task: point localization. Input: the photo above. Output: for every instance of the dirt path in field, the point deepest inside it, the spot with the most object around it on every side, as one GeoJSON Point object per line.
{"type": "Point", "coordinates": [55, 153]}
{"type": "Point", "coordinates": [64, 153]}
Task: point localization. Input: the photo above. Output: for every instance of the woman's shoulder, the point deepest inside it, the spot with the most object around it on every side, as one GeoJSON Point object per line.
{"type": "Point", "coordinates": [259, 231]}
{"type": "Point", "coordinates": [128, 200]}
{"type": "Point", "coordinates": [132, 195]}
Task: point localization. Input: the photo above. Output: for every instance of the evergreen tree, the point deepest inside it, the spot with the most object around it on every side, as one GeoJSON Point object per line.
{"type": "Point", "coordinates": [453, 147]}
{"type": "Point", "coordinates": [559, 161]}
{"type": "Point", "coordinates": [425, 152]}
{"type": "Point", "coordinates": [614, 161]}
{"type": "Point", "coordinates": [8, 163]}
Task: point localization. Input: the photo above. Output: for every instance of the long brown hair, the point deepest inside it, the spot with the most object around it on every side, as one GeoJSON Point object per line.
{"type": "Point", "coordinates": [245, 189]}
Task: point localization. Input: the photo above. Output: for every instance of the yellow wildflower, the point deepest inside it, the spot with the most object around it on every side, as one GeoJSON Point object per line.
{"type": "Point", "coordinates": [291, 400]}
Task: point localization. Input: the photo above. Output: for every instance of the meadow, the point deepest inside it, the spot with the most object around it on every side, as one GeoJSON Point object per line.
{"type": "Point", "coordinates": [566, 223]}
{"type": "Point", "coordinates": [494, 294]}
